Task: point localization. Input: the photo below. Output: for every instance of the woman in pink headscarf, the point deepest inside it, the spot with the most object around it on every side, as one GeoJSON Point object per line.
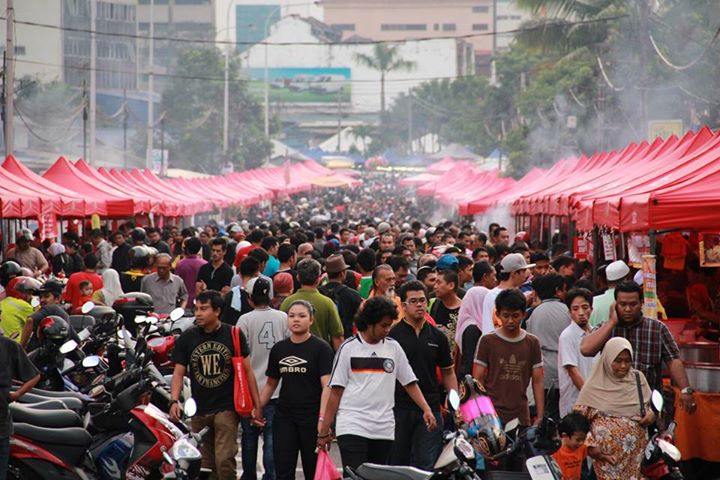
{"type": "Point", "coordinates": [467, 332]}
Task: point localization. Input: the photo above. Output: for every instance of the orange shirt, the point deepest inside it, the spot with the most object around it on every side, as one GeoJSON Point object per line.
{"type": "Point", "coordinates": [570, 461]}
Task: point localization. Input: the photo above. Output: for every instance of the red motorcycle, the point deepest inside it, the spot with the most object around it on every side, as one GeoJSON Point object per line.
{"type": "Point", "coordinates": [661, 456]}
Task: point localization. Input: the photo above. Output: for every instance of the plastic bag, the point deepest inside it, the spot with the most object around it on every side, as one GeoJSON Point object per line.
{"type": "Point", "coordinates": [325, 468]}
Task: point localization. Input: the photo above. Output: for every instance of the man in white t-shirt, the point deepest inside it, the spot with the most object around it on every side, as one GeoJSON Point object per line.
{"type": "Point", "coordinates": [362, 386]}
{"type": "Point", "coordinates": [263, 328]}
{"type": "Point", "coordinates": [513, 273]}
{"type": "Point", "coordinates": [573, 367]}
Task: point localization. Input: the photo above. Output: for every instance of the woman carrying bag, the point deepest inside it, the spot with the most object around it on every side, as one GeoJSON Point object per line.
{"type": "Point", "coordinates": [303, 362]}
{"type": "Point", "coordinates": [611, 401]}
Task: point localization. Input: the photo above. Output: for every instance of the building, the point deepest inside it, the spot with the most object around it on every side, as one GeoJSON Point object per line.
{"type": "Point", "coordinates": [182, 19]}
{"type": "Point", "coordinates": [38, 50]}
{"type": "Point", "coordinates": [408, 19]}
{"type": "Point", "coordinates": [508, 17]}
{"type": "Point", "coordinates": [245, 21]}
{"type": "Point", "coordinates": [316, 83]}
{"type": "Point", "coordinates": [116, 65]}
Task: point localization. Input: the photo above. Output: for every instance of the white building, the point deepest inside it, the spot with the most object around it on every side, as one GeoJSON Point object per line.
{"type": "Point", "coordinates": [309, 66]}
{"type": "Point", "coordinates": [508, 17]}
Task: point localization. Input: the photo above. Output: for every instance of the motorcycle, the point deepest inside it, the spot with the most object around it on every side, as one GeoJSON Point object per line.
{"type": "Point", "coordinates": [661, 456]}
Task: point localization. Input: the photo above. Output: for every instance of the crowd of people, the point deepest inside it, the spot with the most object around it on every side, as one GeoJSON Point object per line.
{"type": "Point", "coordinates": [356, 331]}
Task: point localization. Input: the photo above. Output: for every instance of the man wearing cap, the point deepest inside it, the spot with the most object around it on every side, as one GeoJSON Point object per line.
{"type": "Point", "coordinates": [615, 273]}
{"type": "Point", "coordinates": [27, 255]}
{"type": "Point", "coordinates": [50, 300]}
{"type": "Point", "coordinates": [514, 271]}
{"type": "Point", "coordinates": [346, 299]}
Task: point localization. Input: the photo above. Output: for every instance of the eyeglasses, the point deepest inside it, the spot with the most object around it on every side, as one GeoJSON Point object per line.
{"type": "Point", "coordinates": [416, 301]}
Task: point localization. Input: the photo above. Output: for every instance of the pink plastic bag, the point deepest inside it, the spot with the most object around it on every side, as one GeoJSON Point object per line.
{"type": "Point", "coordinates": [325, 468]}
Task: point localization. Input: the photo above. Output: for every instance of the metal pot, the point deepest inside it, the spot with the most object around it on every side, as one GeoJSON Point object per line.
{"type": "Point", "coordinates": [700, 351]}
{"type": "Point", "coordinates": [704, 377]}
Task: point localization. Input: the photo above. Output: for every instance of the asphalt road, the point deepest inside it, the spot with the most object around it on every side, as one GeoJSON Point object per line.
{"type": "Point", "coordinates": [334, 454]}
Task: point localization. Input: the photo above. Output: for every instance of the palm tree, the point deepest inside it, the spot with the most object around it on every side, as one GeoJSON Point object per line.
{"type": "Point", "coordinates": [384, 59]}
{"type": "Point", "coordinates": [363, 132]}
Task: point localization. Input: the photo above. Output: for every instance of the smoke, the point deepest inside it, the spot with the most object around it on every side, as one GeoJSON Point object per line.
{"type": "Point", "coordinates": [498, 214]}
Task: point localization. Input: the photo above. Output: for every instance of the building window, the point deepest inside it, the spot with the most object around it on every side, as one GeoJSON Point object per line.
{"type": "Point", "coordinates": [481, 9]}
{"type": "Point", "coordinates": [393, 27]}
{"type": "Point", "coordinates": [449, 27]}
{"type": "Point", "coordinates": [345, 27]}
{"type": "Point", "coordinates": [480, 27]}
{"type": "Point", "coordinates": [19, 50]}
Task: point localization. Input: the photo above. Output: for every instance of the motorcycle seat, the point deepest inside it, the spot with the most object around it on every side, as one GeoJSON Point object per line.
{"type": "Point", "coordinates": [371, 471]}
{"type": "Point", "coordinates": [78, 322]}
{"type": "Point", "coordinates": [53, 394]}
{"type": "Point", "coordinates": [68, 402]}
{"type": "Point", "coordinates": [44, 418]}
{"type": "Point", "coordinates": [68, 444]}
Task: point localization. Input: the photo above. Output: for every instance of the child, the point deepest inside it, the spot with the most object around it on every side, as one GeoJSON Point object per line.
{"type": "Point", "coordinates": [573, 429]}
{"type": "Point", "coordinates": [86, 293]}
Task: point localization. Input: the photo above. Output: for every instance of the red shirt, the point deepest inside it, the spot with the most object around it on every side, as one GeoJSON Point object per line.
{"type": "Point", "coordinates": [72, 289]}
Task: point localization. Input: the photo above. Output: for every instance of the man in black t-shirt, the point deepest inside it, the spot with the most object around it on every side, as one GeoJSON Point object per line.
{"type": "Point", "coordinates": [215, 275]}
{"type": "Point", "coordinates": [205, 354]}
{"type": "Point", "coordinates": [427, 349]}
{"type": "Point", "coordinates": [14, 365]}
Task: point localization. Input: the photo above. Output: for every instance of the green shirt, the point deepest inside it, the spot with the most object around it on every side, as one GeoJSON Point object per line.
{"type": "Point", "coordinates": [601, 307]}
{"type": "Point", "coordinates": [365, 286]}
{"type": "Point", "coordinates": [327, 322]}
{"type": "Point", "coordinates": [14, 315]}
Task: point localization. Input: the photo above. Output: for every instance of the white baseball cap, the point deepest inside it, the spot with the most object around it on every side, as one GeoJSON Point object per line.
{"type": "Point", "coordinates": [514, 262]}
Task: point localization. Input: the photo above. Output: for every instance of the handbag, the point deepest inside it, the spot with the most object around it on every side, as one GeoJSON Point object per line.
{"type": "Point", "coordinates": [325, 468]}
{"type": "Point", "coordinates": [241, 391]}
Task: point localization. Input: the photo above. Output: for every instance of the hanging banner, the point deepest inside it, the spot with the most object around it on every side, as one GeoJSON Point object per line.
{"type": "Point", "coordinates": [650, 309]}
{"type": "Point", "coordinates": [609, 247]}
{"type": "Point", "coordinates": [637, 245]}
{"type": "Point", "coordinates": [47, 226]}
{"type": "Point", "coordinates": [581, 248]}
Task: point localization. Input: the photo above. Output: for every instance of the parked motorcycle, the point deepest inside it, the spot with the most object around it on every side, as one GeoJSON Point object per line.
{"type": "Point", "coordinates": [661, 456]}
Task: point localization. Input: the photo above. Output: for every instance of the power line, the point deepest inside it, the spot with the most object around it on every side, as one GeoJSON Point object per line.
{"type": "Point", "coordinates": [366, 42]}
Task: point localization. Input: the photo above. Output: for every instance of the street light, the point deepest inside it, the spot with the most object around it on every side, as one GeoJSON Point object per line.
{"type": "Point", "coordinates": [226, 96]}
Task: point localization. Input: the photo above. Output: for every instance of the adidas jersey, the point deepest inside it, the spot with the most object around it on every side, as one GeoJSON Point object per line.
{"type": "Point", "coordinates": [368, 373]}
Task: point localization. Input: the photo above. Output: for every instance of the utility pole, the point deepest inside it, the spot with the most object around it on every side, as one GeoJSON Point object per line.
{"type": "Point", "coordinates": [85, 118]}
{"type": "Point", "coordinates": [93, 85]}
{"type": "Point", "coordinates": [125, 128]}
{"type": "Point", "coordinates": [162, 145]}
{"type": "Point", "coordinates": [410, 124]}
{"type": "Point", "coordinates": [644, 20]}
{"type": "Point", "coordinates": [339, 125]}
{"type": "Point", "coordinates": [148, 154]}
{"type": "Point", "coordinates": [9, 77]}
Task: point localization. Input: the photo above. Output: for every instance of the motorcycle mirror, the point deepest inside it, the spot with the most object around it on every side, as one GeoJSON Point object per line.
{"type": "Point", "coordinates": [152, 320]}
{"type": "Point", "coordinates": [87, 307]}
{"type": "Point", "coordinates": [657, 401]}
{"type": "Point", "coordinates": [177, 314]}
{"type": "Point", "coordinates": [68, 346]}
{"type": "Point", "coordinates": [34, 302]}
{"type": "Point", "coordinates": [67, 366]}
{"type": "Point", "coordinates": [512, 425]}
{"type": "Point", "coordinates": [84, 334]}
{"type": "Point", "coordinates": [140, 319]}
{"type": "Point", "coordinates": [670, 450]}
{"type": "Point", "coordinates": [190, 408]}
{"type": "Point", "coordinates": [91, 361]}
{"type": "Point", "coordinates": [454, 399]}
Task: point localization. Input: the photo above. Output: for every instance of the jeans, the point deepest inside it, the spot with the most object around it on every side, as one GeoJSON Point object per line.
{"type": "Point", "coordinates": [552, 404]}
{"type": "Point", "coordinates": [4, 456]}
{"type": "Point", "coordinates": [356, 450]}
{"type": "Point", "coordinates": [249, 444]}
{"type": "Point", "coordinates": [219, 446]}
{"type": "Point", "coordinates": [414, 445]}
{"type": "Point", "coordinates": [293, 433]}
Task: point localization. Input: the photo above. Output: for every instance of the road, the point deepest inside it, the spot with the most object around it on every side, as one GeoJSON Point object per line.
{"type": "Point", "coordinates": [334, 454]}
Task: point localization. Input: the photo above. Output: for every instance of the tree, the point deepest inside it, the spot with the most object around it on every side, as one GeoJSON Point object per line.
{"type": "Point", "coordinates": [384, 59]}
{"type": "Point", "coordinates": [193, 101]}
{"type": "Point", "coordinates": [362, 133]}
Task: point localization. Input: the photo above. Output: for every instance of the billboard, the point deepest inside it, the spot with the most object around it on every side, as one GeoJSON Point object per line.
{"type": "Point", "coordinates": [303, 85]}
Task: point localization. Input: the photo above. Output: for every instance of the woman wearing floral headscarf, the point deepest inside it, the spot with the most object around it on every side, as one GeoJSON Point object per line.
{"type": "Point", "coordinates": [611, 402]}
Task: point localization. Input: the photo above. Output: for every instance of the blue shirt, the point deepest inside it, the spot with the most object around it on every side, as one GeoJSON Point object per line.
{"type": "Point", "coordinates": [273, 265]}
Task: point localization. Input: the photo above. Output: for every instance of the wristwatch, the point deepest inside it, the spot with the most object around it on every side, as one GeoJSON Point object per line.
{"type": "Point", "coordinates": [173, 402]}
{"type": "Point", "coordinates": [687, 391]}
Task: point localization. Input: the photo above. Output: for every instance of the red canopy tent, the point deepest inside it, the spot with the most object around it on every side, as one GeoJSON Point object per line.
{"type": "Point", "coordinates": [150, 204]}
{"type": "Point", "coordinates": [68, 204]}
{"type": "Point", "coordinates": [117, 203]}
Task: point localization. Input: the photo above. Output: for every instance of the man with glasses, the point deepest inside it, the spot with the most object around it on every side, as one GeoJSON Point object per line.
{"type": "Point", "coordinates": [427, 349]}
